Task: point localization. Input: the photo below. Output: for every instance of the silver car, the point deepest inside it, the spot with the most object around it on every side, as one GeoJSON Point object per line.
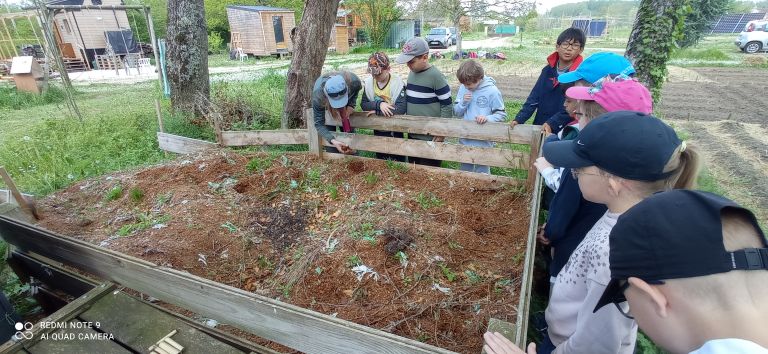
{"type": "Point", "coordinates": [754, 38]}
{"type": "Point", "coordinates": [439, 37]}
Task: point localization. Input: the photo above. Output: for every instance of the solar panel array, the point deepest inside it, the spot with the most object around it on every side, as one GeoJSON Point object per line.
{"type": "Point", "coordinates": [734, 23]}
{"type": "Point", "coordinates": [592, 28]}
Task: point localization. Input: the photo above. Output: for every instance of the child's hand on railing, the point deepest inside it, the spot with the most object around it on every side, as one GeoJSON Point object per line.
{"type": "Point", "coordinates": [481, 119]}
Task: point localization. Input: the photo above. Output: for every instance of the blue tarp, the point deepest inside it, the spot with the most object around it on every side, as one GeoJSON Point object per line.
{"type": "Point", "coordinates": [581, 24]}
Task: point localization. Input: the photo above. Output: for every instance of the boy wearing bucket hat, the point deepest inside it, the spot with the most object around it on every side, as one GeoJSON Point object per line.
{"type": "Point", "coordinates": [427, 92]}
{"type": "Point", "coordinates": [336, 93]}
{"type": "Point", "coordinates": [692, 268]}
{"type": "Point", "coordinates": [619, 159]}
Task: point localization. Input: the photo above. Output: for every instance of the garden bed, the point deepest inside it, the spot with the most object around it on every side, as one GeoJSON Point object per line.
{"type": "Point", "coordinates": [420, 254]}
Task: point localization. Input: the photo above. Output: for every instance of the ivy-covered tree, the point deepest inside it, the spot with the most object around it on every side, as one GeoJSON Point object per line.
{"type": "Point", "coordinates": [698, 22]}
{"type": "Point", "coordinates": [659, 23]}
{"type": "Point", "coordinates": [377, 16]}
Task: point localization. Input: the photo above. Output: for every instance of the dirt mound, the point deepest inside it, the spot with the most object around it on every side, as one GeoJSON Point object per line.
{"type": "Point", "coordinates": [422, 255]}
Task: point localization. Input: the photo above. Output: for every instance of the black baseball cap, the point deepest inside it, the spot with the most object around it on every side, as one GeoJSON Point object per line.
{"type": "Point", "coordinates": [626, 144]}
{"type": "Point", "coordinates": [672, 235]}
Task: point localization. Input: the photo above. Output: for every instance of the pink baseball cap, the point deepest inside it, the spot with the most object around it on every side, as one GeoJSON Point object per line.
{"type": "Point", "coordinates": [615, 95]}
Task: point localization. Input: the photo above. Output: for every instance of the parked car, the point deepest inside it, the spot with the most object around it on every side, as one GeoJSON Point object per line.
{"type": "Point", "coordinates": [754, 38]}
{"type": "Point", "coordinates": [454, 34]}
{"type": "Point", "coordinates": [439, 37]}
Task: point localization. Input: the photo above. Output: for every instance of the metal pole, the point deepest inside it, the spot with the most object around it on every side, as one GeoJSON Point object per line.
{"type": "Point", "coordinates": [155, 48]}
{"type": "Point", "coordinates": [56, 54]}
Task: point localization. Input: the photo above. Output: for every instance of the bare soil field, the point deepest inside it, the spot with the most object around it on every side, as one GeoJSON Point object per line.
{"type": "Point", "coordinates": [724, 111]}
{"type": "Point", "coordinates": [423, 255]}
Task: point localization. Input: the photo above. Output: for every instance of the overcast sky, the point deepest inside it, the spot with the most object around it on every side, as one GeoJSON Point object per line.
{"type": "Point", "coordinates": [542, 6]}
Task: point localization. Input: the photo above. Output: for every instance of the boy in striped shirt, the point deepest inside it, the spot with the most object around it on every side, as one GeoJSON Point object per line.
{"type": "Point", "coordinates": [427, 92]}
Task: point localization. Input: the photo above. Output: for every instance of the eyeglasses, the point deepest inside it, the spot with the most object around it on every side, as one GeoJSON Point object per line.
{"type": "Point", "coordinates": [575, 172]}
{"type": "Point", "coordinates": [570, 45]}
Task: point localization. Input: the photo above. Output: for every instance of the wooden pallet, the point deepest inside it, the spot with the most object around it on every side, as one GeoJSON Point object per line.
{"type": "Point", "coordinates": [108, 62]}
{"type": "Point", "coordinates": [75, 64]}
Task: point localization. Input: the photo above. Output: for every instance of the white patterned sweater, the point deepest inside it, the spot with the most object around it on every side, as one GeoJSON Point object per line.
{"type": "Point", "coordinates": [573, 327]}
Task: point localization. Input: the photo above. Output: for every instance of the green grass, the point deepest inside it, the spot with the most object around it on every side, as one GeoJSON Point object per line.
{"type": "Point", "coordinates": [14, 99]}
{"type": "Point", "coordinates": [700, 54]}
{"type": "Point", "coordinates": [262, 100]}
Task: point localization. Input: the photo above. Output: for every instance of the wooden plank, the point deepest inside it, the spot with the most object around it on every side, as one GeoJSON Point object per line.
{"type": "Point", "coordinates": [521, 327]}
{"type": "Point", "coordinates": [315, 147]}
{"type": "Point", "coordinates": [264, 137]}
{"type": "Point", "coordinates": [440, 151]}
{"type": "Point", "coordinates": [498, 132]}
{"type": "Point", "coordinates": [51, 274]}
{"type": "Point", "coordinates": [446, 171]}
{"type": "Point", "coordinates": [84, 340]}
{"type": "Point", "coordinates": [182, 145]}
{"type": "Point", "coordinates": [20, 199]}
{"type": "Point", "coordinates": [64, 314]}
{"type": "Point", "coordinates": [506, 329]}
{"type": "Point", "coordinates": [536, 145]}
{"type": "Point", "coordinates": [140, 326]}
{"type": "Point", "coordinates": [292, 326]}
{"type": "Point", "coordinates": [54, 276]}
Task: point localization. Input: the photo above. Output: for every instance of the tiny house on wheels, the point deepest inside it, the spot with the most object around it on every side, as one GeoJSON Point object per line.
{"type": "Point", "coordinates": [261, 30]}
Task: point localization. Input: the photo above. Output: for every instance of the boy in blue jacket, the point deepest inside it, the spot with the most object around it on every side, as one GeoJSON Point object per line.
{"type": "Point", "coordinates": [480, 101]}
{"type": "Point", "coordinates": [547, 97]}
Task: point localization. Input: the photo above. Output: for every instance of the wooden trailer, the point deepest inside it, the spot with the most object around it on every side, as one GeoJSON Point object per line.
{"type": "Point", "coordinates": [261, 30]}
{"type": "Point", "coordinates": [81, 34]}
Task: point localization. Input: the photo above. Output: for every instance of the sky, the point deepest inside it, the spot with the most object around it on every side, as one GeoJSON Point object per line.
{"type": "Point", "coordinates": [543, 6]}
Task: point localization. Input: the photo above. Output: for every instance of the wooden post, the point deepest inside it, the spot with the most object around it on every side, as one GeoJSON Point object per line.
{"type": "Point", "coordinates": [155, 48]}
{"type": "Point", "coordinates": [159, 115]}
{"type": "Point", "coordinates": [13, 45]}
{"type": "Point", "coordinates": [535, 152]}
{"type": "Point", "coordinates": [315, 148]}
{"type": "Point", "coordinates": [30, 208]}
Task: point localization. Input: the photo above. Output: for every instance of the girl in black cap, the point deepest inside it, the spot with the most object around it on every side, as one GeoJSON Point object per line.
{"type": "Point", "coordinates": [619, 159]}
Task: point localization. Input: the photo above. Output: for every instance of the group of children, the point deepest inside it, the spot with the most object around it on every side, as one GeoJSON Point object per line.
{"type": "Point", "coordinates": [623, 226]}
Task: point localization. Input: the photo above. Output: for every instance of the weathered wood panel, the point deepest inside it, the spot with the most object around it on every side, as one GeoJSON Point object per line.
{"type": "Point", "coordinates": [265, 137]}
{"type": "Point", "coordinates": [439, 151]}
{"type": "Point", "coordinates": [292, 326]}
{"type": "Point", "coordinates": [498, 132]}
{"type": "Point", "coordinates": [182, 145]}
{"type": "Point", "coordinates": [445, 171]}
{"type": "Point", "coordinates": [64, 314]}
{"type": "Point", "coordinates": [140, 326]}
{"type": "Point", "coordinates": [341, 39]}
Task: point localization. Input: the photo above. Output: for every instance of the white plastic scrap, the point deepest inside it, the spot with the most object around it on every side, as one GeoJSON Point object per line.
{"type": "Point", "coordinates": [362, 270]}
{"type": "Point", "coordinates": [201, 259]}
{"type": "Point", "coordinates": [159, 226]}
{"type": "Point", "coordinates": [211, 323]}
{"type": "Point", "coordinates": [444, 290]}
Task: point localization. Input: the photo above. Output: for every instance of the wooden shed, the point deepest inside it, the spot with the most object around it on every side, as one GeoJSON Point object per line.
{"type": "Point", "coordinates": [261, 30]}
{"type": "Point", "coordinates": [80, 34]}
{"type": "Point", "coordinates": [339, 39]}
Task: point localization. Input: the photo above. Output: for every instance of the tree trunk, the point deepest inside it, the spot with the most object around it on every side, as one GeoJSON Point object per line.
{"type": "Point", "coordinates": [187, 56]}
{"type": "Point", "coordinates": [309, 50]}
{"type": "Point", "coordinates": [651, 39]}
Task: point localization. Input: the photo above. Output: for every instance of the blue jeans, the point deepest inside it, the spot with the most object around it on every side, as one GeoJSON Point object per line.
{"type": "Point", "coordinates": [546, 346]}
